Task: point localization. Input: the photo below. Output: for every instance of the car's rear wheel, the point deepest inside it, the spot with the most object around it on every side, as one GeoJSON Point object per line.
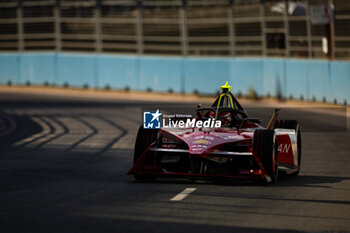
{"type": "Point", "coordinates": [143, 140]}
{"type": "Point", "coordinates": [265, 147]}
{"type": "Point", "coordinates": [292, 124]}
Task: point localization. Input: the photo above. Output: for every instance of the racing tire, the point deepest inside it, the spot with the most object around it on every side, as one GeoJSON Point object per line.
{"type": "Point", "coordinates": [265, 147]}
{"type": "Point", "coordinates": [143, 140]}
{"type": "Point", "coordinates": [292, 124]}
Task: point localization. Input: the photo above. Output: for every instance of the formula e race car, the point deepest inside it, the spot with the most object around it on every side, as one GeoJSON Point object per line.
{"type": "Point", "coordinates": [238, 148]}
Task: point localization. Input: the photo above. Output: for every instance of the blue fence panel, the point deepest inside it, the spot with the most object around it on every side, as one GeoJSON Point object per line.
{"type": "Point", "coordinates": [246, 74]}
{"type": "Point", "coordinates": [340, 73]}
{"type": "Point", "coordinates": [297, 79]}
{"type": "Point", "coordinates": [118, 72]}
{"type": "Point", "coordinates": [160, 73]}
{"type": "Point", "coordinates": [205, 75]}
{"type": "Point", "coordinates": [37, 68]}
{"type": "Point", "coordinates": [274, 82]}
{"type": "Point", "coordinates": [77, 70]}
{"type": "Point", "coordinates": [319, 81]}
{"type": "Point", "coordinates": [9, 70]}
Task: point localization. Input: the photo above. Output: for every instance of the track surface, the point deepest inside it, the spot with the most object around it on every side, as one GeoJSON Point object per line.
{"type": "Point", "coordinates": [63, 169]}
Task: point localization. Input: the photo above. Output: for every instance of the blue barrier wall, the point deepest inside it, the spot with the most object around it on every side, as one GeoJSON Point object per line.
{"type": "Point", "coordinates": [159, 74]}
{"type": "Point", "coordinates": [9, 68]}
{"type": "Point", "coordinates": [37, 68]}
{"type": "Point", "coordinates": [117, 72]}
{"type": "Point", "coordinates": [205, 74]}
{"type": "Point", "coordinates": [308, 79]}
{"type": "Point", "coordinates": [247, 73]}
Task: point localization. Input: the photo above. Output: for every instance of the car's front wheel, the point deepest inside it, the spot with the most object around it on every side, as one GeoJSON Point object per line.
{"type": "Point", "coordinates": [145, 137]}
{"type": "Point", "coordinates": [265, 147]}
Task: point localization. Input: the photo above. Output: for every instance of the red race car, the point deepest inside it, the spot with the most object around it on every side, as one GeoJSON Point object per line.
{"type": "Point", "coordinates": [220, 142]}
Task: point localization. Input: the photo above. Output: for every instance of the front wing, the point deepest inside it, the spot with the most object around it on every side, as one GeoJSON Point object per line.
{"type": "Point", "coordinates": [164, 162]}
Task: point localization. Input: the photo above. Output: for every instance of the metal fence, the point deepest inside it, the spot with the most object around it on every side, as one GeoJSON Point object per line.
{"type": "Point", "coordinates": [176, 27]}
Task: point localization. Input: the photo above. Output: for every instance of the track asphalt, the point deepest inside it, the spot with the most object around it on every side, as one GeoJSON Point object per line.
{"type": "Point", "coordinates": [63, 169]}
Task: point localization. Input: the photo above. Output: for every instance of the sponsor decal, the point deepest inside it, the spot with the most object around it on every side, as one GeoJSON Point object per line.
{"type": "Point", "coordinates": [284, 148]}
{"type": "Point", "coordinates": [204, 137]}
{"type": "Point", "coordinates": [201, 141]}
{"type": "Point", "coordinates": [233, 137]}
{"type": "Point", "coordinates": [199, 146]}
{"type": "Point", "coordinates": [197, 149]}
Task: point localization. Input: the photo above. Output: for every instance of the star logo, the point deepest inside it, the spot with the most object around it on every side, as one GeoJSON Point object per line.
{"type": "Point", "coordinates": [156, 115]}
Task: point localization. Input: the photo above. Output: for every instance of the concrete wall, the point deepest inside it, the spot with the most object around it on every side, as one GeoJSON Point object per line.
{"type": "Point", "coordinates": [308, 79]}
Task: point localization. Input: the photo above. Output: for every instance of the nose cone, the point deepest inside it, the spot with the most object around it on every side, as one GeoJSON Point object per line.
{"type": "Point", "coordinates": [198, 142]}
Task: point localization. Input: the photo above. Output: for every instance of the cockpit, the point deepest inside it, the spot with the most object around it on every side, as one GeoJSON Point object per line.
{"type": "Point", "coordinates": [227, 109]}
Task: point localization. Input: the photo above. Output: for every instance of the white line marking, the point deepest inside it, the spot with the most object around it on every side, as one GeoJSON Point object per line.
{"type": "Point", "coordinates": [183, 194]}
